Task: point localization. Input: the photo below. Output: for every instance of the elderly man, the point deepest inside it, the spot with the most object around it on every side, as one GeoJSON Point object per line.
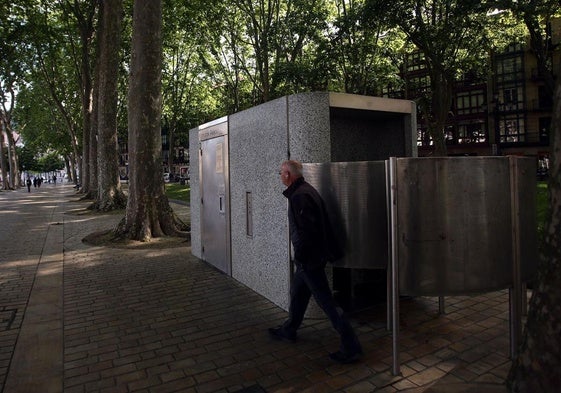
{"type": "Point", "coordinates": [313, 240]}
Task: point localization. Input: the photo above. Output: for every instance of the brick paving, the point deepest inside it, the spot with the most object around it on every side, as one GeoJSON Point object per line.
{"type": "Point", "coordinates": [160, 320]}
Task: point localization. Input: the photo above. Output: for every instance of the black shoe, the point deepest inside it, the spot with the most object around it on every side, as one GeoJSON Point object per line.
{"type": "Point", "coordinates": [345, 358]}
{"type": "Point", "coordinates": [282, 335]}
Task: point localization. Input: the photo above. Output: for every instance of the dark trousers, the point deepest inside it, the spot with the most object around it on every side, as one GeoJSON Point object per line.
{"type": "Point", "coordinates": [314, 282]}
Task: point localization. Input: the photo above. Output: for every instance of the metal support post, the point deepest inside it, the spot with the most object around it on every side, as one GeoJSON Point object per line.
{"type": "Point", "coordinates": [394, 266]}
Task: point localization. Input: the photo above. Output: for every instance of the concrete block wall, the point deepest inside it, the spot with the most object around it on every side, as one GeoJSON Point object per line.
{"type": "Point", "coordinates": [195, 196]}
{"type": "Point", "coordinates": [258, 144]}
{"type": "Point", "coordinates": [261, 138]}
{"type": "Point", "coordinates": [309, 131]}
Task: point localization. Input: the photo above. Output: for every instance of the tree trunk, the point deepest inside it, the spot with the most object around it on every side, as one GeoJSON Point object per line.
{"type": "Point", "coordinates": [110, 195]}
{"type": "Point", "coordinates": [171, 144]}
{"type": "Point", "coordinates": [84, 14]}
{"type": "Point", "coordinates": [441, 100]}
{"type": "Point", "coordinates": [68, 170]}
{"type": "Point", "coordinates": [3, 161]}
{"type": "Point", "coordinates": [148, 212]}
{"type": "Point", "coordinates": [15, 178]}
{"type": "Point", "coordinates": [6, 120]}
{"type": "Point", "coordinates": [74, 165]}
{"type": "Point", "coordinates": [94, 124]}
{"type": "Point", "coordinates": [86, 120]}
{"type": "Point", "coordinates": [536, 369]}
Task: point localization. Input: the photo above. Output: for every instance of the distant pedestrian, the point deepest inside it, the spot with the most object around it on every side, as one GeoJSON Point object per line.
{"type": "Point", "coordinates": [34, 181]}
{"type": "Point", "coordinates": [28, 182]}
{"type": "Point", "coordinates": [314, 244]}
{"type": "Point", "coordinates": [54, 179]}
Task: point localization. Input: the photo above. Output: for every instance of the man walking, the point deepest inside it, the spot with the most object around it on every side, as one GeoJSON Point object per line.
{"type": "Point", "coordinates": [313, 240]}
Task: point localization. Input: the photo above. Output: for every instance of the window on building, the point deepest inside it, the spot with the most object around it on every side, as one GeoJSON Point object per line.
{"type": "Point", "coordinates": [515, 47]}
{"type": "Point", "coordinates": [512, 98]}
{"type": "Point", "coordinates": [418, 85]}
{"type": "Point", "coordinates": [510, 69]}
{"type": "Point", "coordinates": [391, 92]}
{"type": "Point", "coordinates": [470, 102]}
{"type": "Point", "coordinates": [545, 100]}
{"type": "Point", "coordinates": [415, 61]}
{"type": "Point", "coordinates": [472, 133]}
{"type": "Point", "coordinates": [423, 137]}
{"type": "Point", "coordinates": [512, 128]}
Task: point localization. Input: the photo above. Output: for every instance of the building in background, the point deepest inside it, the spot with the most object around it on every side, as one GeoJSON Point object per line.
{"type": "Point", "coordinates": [179, 170]}
{"type": "Point", "coordinates": [507, 114]}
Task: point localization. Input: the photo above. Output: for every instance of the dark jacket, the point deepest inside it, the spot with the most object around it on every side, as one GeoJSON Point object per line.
{"type": "Point", "coordinates": [310, 230]}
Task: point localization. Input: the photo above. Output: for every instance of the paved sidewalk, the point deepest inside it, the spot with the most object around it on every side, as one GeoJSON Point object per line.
{"type": "Point", "coordinates": [77, 318]}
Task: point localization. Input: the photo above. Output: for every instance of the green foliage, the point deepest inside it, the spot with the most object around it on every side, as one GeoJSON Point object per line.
{"type": "Point", "coordinates": [454, 37]}
{"type": "Point", "coordinates": [365, 49]}
{"type": "Point", "coordinates": [222, 57]}
{"type": "Point", "coordinates": [51, 162]}
{"type": "Point", "coordinates": [39, 123]}
{"type": "Point", "coordinates": [28, 160]}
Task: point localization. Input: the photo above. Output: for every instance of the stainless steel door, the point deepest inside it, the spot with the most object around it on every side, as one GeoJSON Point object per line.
{"type": "Point", "coordinates": [215, 202]}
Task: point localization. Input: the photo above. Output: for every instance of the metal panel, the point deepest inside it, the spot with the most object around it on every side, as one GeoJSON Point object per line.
{"type": "Point", "coordinates": [525, 191]}
{"type": "Point", "coordinates": [215, 198]}
{"type": "Point", "coordinates": [454, 225]}
{"type": "Point", "coordinates": [355, 197]}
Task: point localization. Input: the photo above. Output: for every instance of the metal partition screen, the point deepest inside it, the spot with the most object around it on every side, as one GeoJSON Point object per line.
{"type": "Point", "coordinates": [455, 223]}
{"type": "Point", "coordinates": [355, 197]}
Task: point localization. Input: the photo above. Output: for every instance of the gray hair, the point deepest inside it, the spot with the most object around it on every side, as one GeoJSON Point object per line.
{"type": "Point", "coordinates": [294, 167]}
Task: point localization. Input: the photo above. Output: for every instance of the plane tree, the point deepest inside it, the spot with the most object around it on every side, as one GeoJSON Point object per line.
{"type": "Point", "coordinates": [110, 196]}
{"type": "Point", "coordinates": [41, 127]}
{"type": "Point", "coordinates": [12, 68]}
{"type": "Point", "coordinates": [148, 213]}
{"type": "Point", "coordinates": [52, 66]}
{"type": "Point", "coordinates": [76, 19]}
{"type": "Point", "coordinates": [364, 50]}
{"type": "Point", "coordinates": [453, 37]}
{"type": "Point", "coordinates": [260, 50]}
{"type": "Point", "coordinates": [187, 90]}
{"type": "Point", "coordinates": [536, 368]}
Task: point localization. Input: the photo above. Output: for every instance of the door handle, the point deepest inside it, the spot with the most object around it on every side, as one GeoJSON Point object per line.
{"type": "Point", "coordinates": [221, 207]}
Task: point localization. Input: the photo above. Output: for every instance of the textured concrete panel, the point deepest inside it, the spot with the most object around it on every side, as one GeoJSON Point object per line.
{"type": "Point", "coordinates": [309, 129]}
{"type": "Point", "coordinates": [195, 198]}
{"type": "Point", "coordinates": [258, 145]}
{"type": "Point", "coordinates": [310, 141]}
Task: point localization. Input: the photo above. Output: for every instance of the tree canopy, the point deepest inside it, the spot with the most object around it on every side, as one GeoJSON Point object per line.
{"type": "Point", "coordinates": [223, 57]}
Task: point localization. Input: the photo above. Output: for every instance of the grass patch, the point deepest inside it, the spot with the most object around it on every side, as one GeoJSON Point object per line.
{"type": "Point", "coordinates": [178, 192]}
